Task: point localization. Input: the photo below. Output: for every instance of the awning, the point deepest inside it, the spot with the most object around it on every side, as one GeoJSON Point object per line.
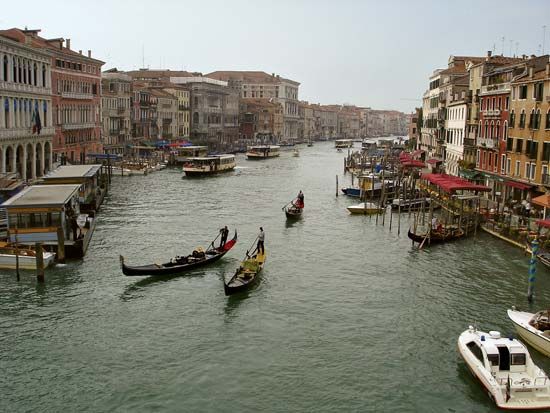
{"type": "Point", "coordinates": [543, 201]}
{"type": "Point", "coordinates": [543, 223]}
{"type": "Point", "coordinates": [519, 185]}
{"type": "Point", "coordinates": [451, 184]}
{"type": "Point", "coordinates": [413, 163]}
{"type": "Point", "coordinates": [434, 161]}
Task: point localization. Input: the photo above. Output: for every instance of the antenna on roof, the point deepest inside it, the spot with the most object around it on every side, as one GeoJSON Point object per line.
{"type": "Point", "coordinates": [511, 41]}
{"type": "Point", "coordinates": [142, 55]}
{"type": "Point", "coordinates": [502, 38]}
{"type": "Point", "coordinates": [543, 37]}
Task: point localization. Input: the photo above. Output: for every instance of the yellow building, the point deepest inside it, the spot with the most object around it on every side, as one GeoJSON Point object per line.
{"type": "Point", "coordinates": [528, 143]}
{"type": "Point", "coordinates": [183, 115]}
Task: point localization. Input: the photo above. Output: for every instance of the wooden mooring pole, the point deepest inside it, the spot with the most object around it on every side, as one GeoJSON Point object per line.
{"type": "Point", "coordinates": [17, 256]}
{"type": "Point", "coordinates": [60, 245]}
{"type": "Point", "coordinates": [532, 270]}
{"type": "Point", "coordinates": [39, 262]}
{"type": "Point", "coordinates": [336, 186]}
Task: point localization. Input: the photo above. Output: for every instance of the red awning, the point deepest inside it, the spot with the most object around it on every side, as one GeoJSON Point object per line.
{"type": "Point", "coordinates": [544, 223]}
{"type": "Point", "coordinates": [450, 183]}
{"type": "Point", "coordinates": [434, 161]}
{"type": "Point", "coordinates": [413, 163]}
{"type": "Point", "coordinates": [519, 185]}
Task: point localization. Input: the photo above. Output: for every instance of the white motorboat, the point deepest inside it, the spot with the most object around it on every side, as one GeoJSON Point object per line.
{"type": "Point", "coordinates": [533, 328]}
{"type": "Point", "coordinates": [506, 370]}
{"type": "Point", "coordinates": [296, 153]}
{"type": "Point", "coordinates": [26, 257]}
{"type": "Point", "coordinates": [365, 208]}
{"type": "Point", "coordinates": [209, 165]}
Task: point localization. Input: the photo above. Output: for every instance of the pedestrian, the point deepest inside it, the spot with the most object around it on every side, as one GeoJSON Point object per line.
{"type": "Point", "coordinates": [261, 238]}
{"type": "Point", "coordinates": [224, 231]}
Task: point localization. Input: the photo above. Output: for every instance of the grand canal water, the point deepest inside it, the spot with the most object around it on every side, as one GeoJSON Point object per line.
{"type": "Point", "coordinates": [346, 317]}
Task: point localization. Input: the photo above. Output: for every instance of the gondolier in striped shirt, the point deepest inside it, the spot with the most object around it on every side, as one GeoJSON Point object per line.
{"type": "Point", "coordinates": [261, 238]}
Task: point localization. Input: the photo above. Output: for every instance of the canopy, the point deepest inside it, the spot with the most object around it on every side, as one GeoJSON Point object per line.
{"type": "Point", "coordinates": [413, 163]}
{"type": "Point", "coordinates": [543, 201]}
{"type": "Point", "coordinates": [451, 184]}
{"type": "Point", "coordinates": [544, 223]}
{"type": "Point", "coordinates": [434, 161]}
{"type": "Point", "coordinates": [418, 152]}
{"type": "Point", "coordinates": [519, 185]}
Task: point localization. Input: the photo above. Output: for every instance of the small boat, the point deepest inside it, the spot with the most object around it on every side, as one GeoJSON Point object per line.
{"type": "Point", "coordinates": [246, 275]}
{"type": "Point", "coordinates": [445, 234]}
{"type": "Point", "coordinates": [338, 150]}
{"type": "Point", "coordinates": [533, 328]}
{"type": "Point", "coordinates": [365, 208]}
{"type": "Point", "coordinates": [343, 143]}
{"type": "Point", "coordinates": [181, 264]}
{"type": "Point", "coordinates": [25, 255]}
{"type": "Point", "coordinates": [209, 165]}
{"type": "Point", "coordinates": [262, 152]}
{"type": "Point", "coordinates": [544, 258]}
{"type": "Point", "coordinates": [296, 153]}
{"type": "Point", "coordinates": [310, 144]}
{"type": "Point", "coordinates": [505, 369]}
{"type": "Point", "coordinates": [412, 204]}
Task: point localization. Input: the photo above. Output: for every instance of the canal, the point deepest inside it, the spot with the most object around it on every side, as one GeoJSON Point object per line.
{"type": "Point", "coordinates": [346, 316]}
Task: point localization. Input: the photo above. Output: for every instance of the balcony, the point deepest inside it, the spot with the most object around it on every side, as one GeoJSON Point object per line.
{"type": "Point", "coordinates": [73, 95]}
{"type": "Point", "coordinates": [491, 113]}
{"type": "Point", "coordinates": [25, 133]}
{"type": "Point", "coordinates": [469, 142]}
{"type": "Point", "coordinates": [74, 126]}
{"type": "Point", "coordinates": [18, 87]}
{"type": "Point", "coordinates": [487, 143]}
{"type": "Point", "coordinates": [498, 88]}
{"type": "Point", "coordinates": [183, 107]}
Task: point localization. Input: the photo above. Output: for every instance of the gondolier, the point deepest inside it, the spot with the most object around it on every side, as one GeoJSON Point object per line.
{"type": "Point", "coordinates": [225, 232]}
{"type": "Point", "coordinates": [261, 238]}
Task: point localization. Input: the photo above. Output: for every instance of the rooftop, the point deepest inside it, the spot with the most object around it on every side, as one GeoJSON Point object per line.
{"type": "Point", "coordinates": [42, 196]}
{"type": "Point", "coordinates": [73, 171]}
{"type": "Point", "coordinates": [249, 76]}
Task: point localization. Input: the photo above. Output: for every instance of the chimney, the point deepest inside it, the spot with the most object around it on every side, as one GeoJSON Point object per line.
{"type": "Point", "coordinates": [80, 52]}
{"type": "Point", "coordinates": [89, 53]}
{"type": "Point", "coordinates": [489, 53]}
{"type": "Point", "coordinates": [548, 67]}
{"type": "Point", "coordinates": [530, 73]}
{"type": "Point", "coordinates": [68, 43]}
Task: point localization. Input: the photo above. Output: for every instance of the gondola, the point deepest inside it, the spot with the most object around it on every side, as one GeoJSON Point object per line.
{"type": "Point", "coordinates": [295, 208]}
{"type": "Point", "coordinates": [181, 264]}
{"type": "Point", "coordinates": [437, 237]}
{"type": "Point", "coordinates": [246, 275]}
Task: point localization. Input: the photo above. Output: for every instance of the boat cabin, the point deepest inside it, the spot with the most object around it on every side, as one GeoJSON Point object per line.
{"type": "Point", "coordinates": [209, 164]}
{"type": "Point", "coordinates": [262, 151]}
{"type": "Point", "coordinates": [343, 143]}
{"type": "Point", "coordinates": [92, 181]}
{"type": "Point", "coordinates": [183, 154]}
{"type": "Point", "coordinates": [50, 214]}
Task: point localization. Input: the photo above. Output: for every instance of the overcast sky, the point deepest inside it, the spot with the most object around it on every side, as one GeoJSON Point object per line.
{"type": "Point", "coordinates": [367, 53]}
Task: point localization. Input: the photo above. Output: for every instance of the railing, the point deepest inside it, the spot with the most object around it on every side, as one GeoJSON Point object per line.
{"type": "Point", "coordinates": [469, 142]}
{"type": "Point", "coordinates": [18, 87]}
{"type": "Point", "coordinates": [74, 95]}
{"type": "Point", "coordinates": [491, 113]}
{"type": "Point", "coordinates": [487, 143]}
{"type": "Point", "coordinates": [502, 87]}
{"type": "Point", "coordinates": [24, 132]}
{"type": "Point", "coordinates": [73, 126]}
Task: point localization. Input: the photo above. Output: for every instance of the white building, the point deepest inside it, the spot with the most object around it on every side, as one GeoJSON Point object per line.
{"type": "Point", "coordinates": [430, 109]}
{"type": "Point", "coordinates": [25, 96]}
{"type": "Point", "coordinates": [455, 127]}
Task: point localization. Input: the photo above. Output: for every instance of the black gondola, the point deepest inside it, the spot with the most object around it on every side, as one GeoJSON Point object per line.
{"type": "Point", "coordinates": [181, 264]}
{"type": "Point", "coordinates": [293, 212]}
{"type": "Point", "coordinates": [437, 237]}
{"type": "Point", "coordinates": [246, 275]}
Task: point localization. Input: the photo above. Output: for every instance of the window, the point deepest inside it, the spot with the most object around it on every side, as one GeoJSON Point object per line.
{"type": "Point", "coordinates": [509, 145]}
{"type": "Point", "coordinates": [508, 165]}
{"type": "Point", "coordinates": [538, 90]}
{"type": "Point", "coordinates": [512, 119]}
{"type": "Point", "coordinates": [532, 119]}
{"type": "Point", "coordinates": [493, 359]}
{"type": "Point", "coordinates": [533, 169]}
{"type": "Point", "coordinates": [546, 152]}
{"type": "Point", "coordinates": [544, 174]}
{"type": "Point", "coordinates": [522, 119]}
{"type": "Point", "coordinates": [518, 168]}
{"type": "Point", "coordinates": [523, 92]}
{"type": "Point", "coordinates": [5, 64]}
{"type": "Point", "coordinates": [507, 103]}
{"type": "Point", "coordinates": [527, 170]}
{"type": "Point", "coordinates": [536, 123]}
{"type": "Point", "coordinates": [547, 126]}
{"type": "Point", "coordinates": [476, 351]}
{"type": "Point", "coordinates": [503, 164]}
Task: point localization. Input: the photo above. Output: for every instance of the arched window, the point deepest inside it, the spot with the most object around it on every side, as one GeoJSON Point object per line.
{"type": "Point", "coordinates": [45, 120]}
{"type": "Point", "coordinates": [6, 66]}
{"type": "Point", "coordinates": [512, 118]}
{"type": "Point", "coordinates": [486, 135]}
{"type": "Point", "coordinates": [35, 74]}
{"type": "Point", "coordinates": [496, 133]}
{"type": "Point", "coordinates": [505, 131]}
{"type": "Point", "coordinates": [19, 71]}
{"type": "Point", "coordinates": [522, 119]}
{"type": "Point", "coordinates": [547, 126]}
{"type": "Point", "coordinates": [14, 65]}
{"type": "Point", "coordinates": [492, 130]}
{"type": "Point", "coordinates": [24, 70]}
{"type": "Point", "coordinates": [7, 112]}
{"type": "Point", "coordinates": [537, 120]}
{"type": "Point", "coordinates": [196, 118]}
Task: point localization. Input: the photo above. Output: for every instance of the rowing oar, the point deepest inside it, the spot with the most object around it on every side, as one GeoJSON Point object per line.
{"type": "Point", "coordinates": [425, 238]}
{"type": "Point", "coordinates": [291, 202]}
{"type": "Point", "coordinates": [212, 243]}
{"type": "Point", "coordinates": [253, 242]}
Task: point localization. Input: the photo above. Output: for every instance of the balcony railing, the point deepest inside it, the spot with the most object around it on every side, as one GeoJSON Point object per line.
{"type": "Point", "coordinates": [491, 113]}
{"type": "Point", "coordinates": [24, 133]}
{"type": "Point", "coordinates": [18, 87]}
{"type": "Point", "coordinates": [73, 126]}
{"type": "Point", "coordinates": [487, 143]}
{"type": "Point", "coordinates": [498, 88]}
{"type": "Point", "coordinates": [73, 95]}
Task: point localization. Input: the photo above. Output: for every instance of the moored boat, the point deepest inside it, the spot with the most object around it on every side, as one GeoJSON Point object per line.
{"type": "Point", "coordinates": [437, 236]}
{"type": "Point", "coordinates": [505, 369]}
{"type": "Point", "coordinates": [262, 152]}
{"type": "Point", "coordinates": [209, 165]}
{"type": "Point", "coordinates": [181, 264]}
{"type": "Point", "coordinates": [246, 275]}
{"type": "Point", "coordinates": [343, 143]}
{"type": "Point", "coordinates": [365, 208]}
{"type": "Point", "coordinates": [533, 328]}
{"type": "Point", "coordinates": [9, 255]}
{"type": "Point", "coordinates": [412, 204]}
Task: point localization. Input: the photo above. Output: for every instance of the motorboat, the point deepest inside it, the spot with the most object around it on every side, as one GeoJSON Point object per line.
{"type": "Point", "coordinates": [505, 368]}
{"type": "Point", "coordinates": [209, 165]}
{"type": "Point", "coordinates": [412, 204]}
{"type": "Point", "coordinates": [262, 152]}
{"type": "Point", "coordinates": [9, 255]}
{"type": "Point", "coordinates": [533, 328]}
{"type": "Point", "coordinates": [365, 208]}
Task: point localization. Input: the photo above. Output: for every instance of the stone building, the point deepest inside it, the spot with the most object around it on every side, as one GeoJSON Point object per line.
{"type": "Point", "coordinates": [76, 88]}
{"type": "Point", "coordinates": [25, 97]}
{"type": "Point", "coordinates": [167, 114]}
{"type": "Point", "coordinates": [257, 84]}
{"type": "Point", "coordinates": [144, 114]}
{"type": "Point", "coordinates": [183, 120]}
{"type": "Point", "coordinates": [116, 107]}
{"type": "Point", "coordinates": [214, 112]}
{"type": "Point", "coordinates": [261, 121]}
{"type": "Point", "coordinates": [307, 120]}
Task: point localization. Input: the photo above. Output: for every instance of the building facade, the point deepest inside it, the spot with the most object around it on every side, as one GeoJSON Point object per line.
{"type": "Point", "coordinates": [116, 108]}
{"type": "Point", "coordinates": [26, 130]}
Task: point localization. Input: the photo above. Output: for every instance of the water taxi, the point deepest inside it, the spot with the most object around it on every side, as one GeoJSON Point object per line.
{"type": "Point", "coordinates": [9, 255]}
{"type": "Point", "coordinates": [371, 185]}
{"type": "Point", "coordinates": [209, 165]}
{"type": "Point", "coordinates": [262, 152]}
{"type": "Point", "coordinates": [505, 368]}
{"type": "Point", "coordinates": [181, 155]}
{"type": "Point", "coordinates": [343, 143]}
{"type": "Point", "coordinates": [533, 328]}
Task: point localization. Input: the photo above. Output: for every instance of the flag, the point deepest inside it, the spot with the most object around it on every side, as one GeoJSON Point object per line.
{"type": "Point", "coordinates": [36, 124]}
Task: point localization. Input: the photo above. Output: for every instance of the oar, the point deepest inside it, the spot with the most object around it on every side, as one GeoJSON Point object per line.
{"type": "Point", "coordinates": [212, 243]}
{"type": "Point", "coordinates": [283, 208]}
{"type": "Point", "coordinates": [253, 242]}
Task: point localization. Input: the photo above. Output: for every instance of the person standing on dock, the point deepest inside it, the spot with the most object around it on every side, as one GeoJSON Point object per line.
{"type": "Point", "coordinates": [224, 231]}
{"type": "Point", "coordinates": [261, 238]}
